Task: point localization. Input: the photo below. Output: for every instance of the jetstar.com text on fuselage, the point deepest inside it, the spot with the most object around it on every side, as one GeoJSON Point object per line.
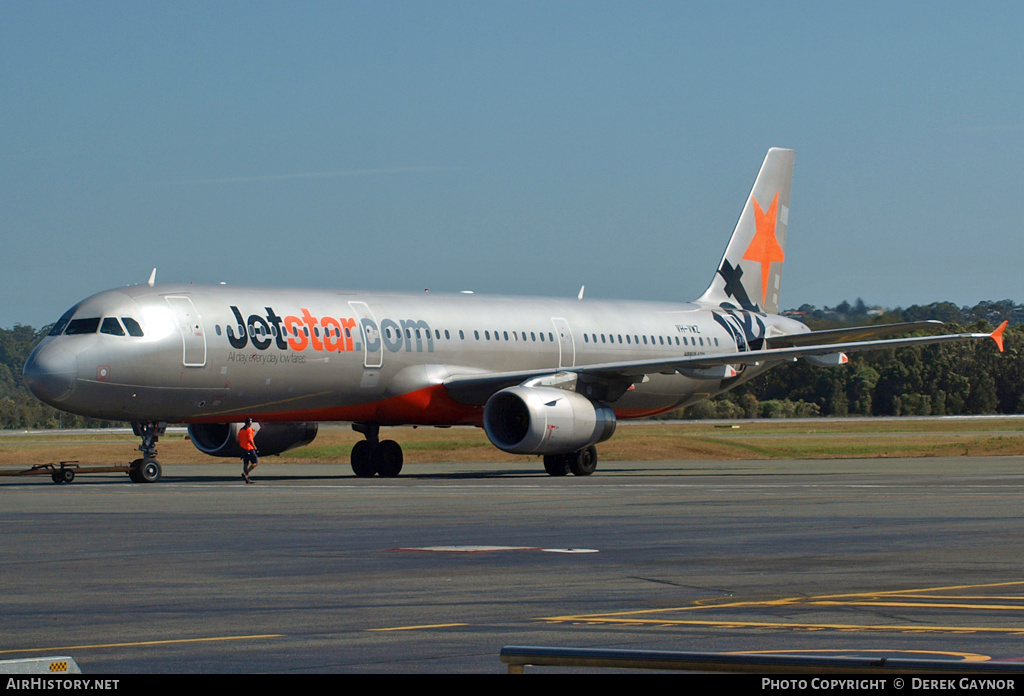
{"type": "Point", "coordinates": [308, 332]}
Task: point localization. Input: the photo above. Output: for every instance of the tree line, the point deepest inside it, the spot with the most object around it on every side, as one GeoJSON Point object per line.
{"type": "Point", "coordinates": [946, 379]}
{"type": "Point", "coordinates": [19, 408]}
{"type": "Point", "coordinates": [938, 380]}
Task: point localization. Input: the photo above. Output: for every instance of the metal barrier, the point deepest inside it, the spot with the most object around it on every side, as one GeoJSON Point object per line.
{"type": "Point", "coordinates": [40, 665]}
{"type": "Point", "coordinates": [518, 657]}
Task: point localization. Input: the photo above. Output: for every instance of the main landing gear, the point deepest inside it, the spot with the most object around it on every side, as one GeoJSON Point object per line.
{"type": "Point", "coordinates": [581, 463]}
{"type": "Point", "coordinates": [376, 457]}
{"type": "Point", "coordinates": [147, 469]}
{"type": "Point", "coordinates": [373, 456]}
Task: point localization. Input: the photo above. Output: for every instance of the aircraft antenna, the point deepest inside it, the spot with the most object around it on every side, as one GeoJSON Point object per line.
{"type": "Point", "coordinates": [580, 296]}
{"type": "Point", "coordinates": [152, 278]}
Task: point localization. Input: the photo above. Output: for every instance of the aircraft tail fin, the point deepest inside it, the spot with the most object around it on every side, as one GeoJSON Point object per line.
{"type": "Point", "coordinates": [750, 274]}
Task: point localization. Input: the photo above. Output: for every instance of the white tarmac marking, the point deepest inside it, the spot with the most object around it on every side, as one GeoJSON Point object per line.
{"type": "Point", "coordinates": [470, 548]}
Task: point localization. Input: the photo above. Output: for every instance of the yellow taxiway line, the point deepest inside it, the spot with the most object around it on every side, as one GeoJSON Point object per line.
{"type": "Point", "coordinates": [144, 643]}
{"type": "Point", "coordinates": [418, 628]}
{"type": "Point", "coordinates": [949, 597]}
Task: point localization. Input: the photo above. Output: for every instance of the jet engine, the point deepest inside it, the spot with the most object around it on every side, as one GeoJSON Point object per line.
{"type": "Point", "coordinates": [221, 439]}
{"type": "Point", "coordinates": [545, 420]}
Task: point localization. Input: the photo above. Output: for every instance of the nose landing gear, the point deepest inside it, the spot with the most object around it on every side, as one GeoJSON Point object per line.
{"type": "Point", "coordinates": [147, 469]}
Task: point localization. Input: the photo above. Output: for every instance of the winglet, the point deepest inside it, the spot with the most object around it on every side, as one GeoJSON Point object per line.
{"type": "Point", "coordinates": [997, 335]}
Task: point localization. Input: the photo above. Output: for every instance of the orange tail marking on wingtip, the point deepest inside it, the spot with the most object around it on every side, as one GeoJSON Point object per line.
{"type": "Point", "coordinates": [997, 335]}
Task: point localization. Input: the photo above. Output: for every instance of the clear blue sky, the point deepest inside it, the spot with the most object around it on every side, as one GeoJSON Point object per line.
{"type": "Point", "coordinates": [506, 147]}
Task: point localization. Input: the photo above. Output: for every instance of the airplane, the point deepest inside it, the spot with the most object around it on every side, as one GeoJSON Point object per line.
{"type": "Point", "coordinates": [542, 376]}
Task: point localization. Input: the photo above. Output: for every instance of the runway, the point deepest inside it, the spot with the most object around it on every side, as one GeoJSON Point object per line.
{"type": "Point", "coordinates": [313, 570]}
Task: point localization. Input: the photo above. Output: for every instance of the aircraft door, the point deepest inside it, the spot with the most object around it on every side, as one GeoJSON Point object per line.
{"type": "Point", "coordinates": [566, 344]}
{"type": "Point", "coordinates": [369, 332]}
{"type": "Point", "coordinates": [191, 326]}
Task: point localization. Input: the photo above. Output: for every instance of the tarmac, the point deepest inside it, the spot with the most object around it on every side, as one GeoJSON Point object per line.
{"type": "Point", "coordinates": [312, 570]}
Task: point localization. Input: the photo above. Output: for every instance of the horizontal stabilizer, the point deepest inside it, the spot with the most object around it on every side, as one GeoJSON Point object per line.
{"type": "Point", "coordinates": [854, 333]}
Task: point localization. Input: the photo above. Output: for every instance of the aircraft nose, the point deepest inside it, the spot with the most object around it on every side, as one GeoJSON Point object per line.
{"type": "Point", "coordinates": [51, 372]}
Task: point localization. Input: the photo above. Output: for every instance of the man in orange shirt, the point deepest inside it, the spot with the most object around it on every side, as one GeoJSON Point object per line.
{"type": "Point", "coordinates": [250, 457]}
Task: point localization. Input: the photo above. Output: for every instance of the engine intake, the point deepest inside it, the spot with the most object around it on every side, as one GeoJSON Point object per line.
{"type": "Point", "coordinates": [221, 439]}
{"type": "Point", "coordinates": [545, 420]}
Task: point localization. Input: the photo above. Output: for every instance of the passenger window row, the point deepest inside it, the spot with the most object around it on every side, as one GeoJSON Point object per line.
{"type": "Point", "coordinates": [628, 339]}
{"type": "Point", "coordinates": [488, 335]}
{"type": "Point", "coordinates": [256, 331]}
{"type": "Point", "coordinates": [655, 340]}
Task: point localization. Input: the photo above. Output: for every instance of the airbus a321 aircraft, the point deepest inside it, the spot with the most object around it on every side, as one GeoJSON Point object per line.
{"type": "Point", "coordinates": [542, 376]}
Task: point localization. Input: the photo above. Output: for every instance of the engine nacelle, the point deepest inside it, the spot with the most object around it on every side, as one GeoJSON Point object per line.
{"type": "Point", "coordinates": [545, 420]}
{"type": "Point", "coordinates": [221, 439]}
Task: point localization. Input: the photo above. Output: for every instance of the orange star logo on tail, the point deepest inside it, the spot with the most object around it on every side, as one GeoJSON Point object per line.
{"type": "Point", "coordinates": [764, 247]}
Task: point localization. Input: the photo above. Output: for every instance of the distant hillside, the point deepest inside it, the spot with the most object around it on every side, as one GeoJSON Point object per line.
{"type": "Point", "coordinates": [845, 314]}
{"type": "Point", "coordinates": [19, 409]}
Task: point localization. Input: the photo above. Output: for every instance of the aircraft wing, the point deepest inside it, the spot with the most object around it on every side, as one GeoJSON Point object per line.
{"type": "Point", "coordinates": [615, 378]}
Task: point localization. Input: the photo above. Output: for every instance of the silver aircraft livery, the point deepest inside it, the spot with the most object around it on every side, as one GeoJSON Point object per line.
{"type": "Point", "coordinates": [542, 376]}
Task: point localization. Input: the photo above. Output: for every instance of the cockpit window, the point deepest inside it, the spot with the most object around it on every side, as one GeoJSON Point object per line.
{"type": "Point", "coordinates": [62, 323]}
{"type": "Point", "coordinates": [133, 327]}
{"type": "Point", "coordinates": [111, 326]}
{"type": "Point", "coordinates": [82, 326]}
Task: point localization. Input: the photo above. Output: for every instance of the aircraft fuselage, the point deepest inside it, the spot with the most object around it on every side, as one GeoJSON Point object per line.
{"type": "Point", "coordinates": [218, 353]}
